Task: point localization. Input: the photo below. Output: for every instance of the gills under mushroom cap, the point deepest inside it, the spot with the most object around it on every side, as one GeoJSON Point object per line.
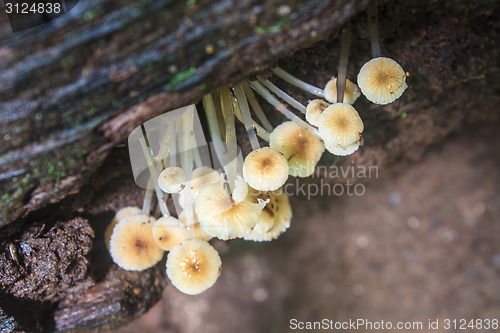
{"type": "Point", "coordinates": [275, 217]}
{"type": "Point", "coordinates": [300, 147]}
{"type": "Point", "coordinates": [193, 266]}
{"type": "Point", "coordinates": [220, 217]}
{"type": "Point", "coordinates": [340, 125]}
{"type": "Point", "coordinates": [265, 169]}
{"type": "Point", "coordinates": [382, 80]}
{"type": "Point", "coordinates": [132, 245]}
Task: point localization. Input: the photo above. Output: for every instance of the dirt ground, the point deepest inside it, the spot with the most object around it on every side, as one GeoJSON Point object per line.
{"type": "Point", "coordinates": [421, 243]}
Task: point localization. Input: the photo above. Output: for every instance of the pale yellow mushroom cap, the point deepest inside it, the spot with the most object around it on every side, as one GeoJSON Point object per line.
{"type": "Point", "coordinates": [300, 147]}
{"type": "Point", "coordinates": [314, 109]}
{"type": "Point", "coordinates": [202, 176]}
{"type": "Point", "coordinates": [275, 217]}
{"type": "Point", "coordinates": [343, 151]}
{"type": "Point", "coordinates": [382, 80]}
{"type": "Point", "coordinates": [351, 92]}
{"type": "Point", "coordinates": [132, 245]}
{"type": "Point", "coordinates": [172, 180]}
{"type": "Point", "coordinates": [193, 266]}
{"type": "Point", "coordinates": [120, 215]}
{"type": "Point", "coordinates": [340, 125]}
{"type": "Point", "coordinates": [194, 231]}
{"type": "Point", "coordinates": [168, 232]}
{"type": "Point", "coordinates": [265, 169]}
{"type": "Point", "coordinates": [220, 217]}
{"type": "Point", "coordinates": [240, 189]}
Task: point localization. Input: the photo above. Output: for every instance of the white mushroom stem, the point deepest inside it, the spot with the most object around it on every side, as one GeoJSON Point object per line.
{"type": "Point", "coordinates": [344, 56]}
{"type": "Point", "coordinates": [247, 117]}
{"type": "Point", "coordinates": [298, 83]}
{"type": "Point", "coordinates": [257, 109]}
{"type": "Point", "coordinates": [266, 94]}
{"type": "Point", "coordinates": [283, 95]}
{"type": "Point", "coordinates": [172, 144]}
{"type": "Point", "coordinates": [148, 196]}
{"type": "Point", "coordinates": [213, 125]}
{"type": "Point", "coordinates": [373, 30]}
{"type": "Point", "coordinates": [261, 132]}
{"type": "Point", "coordinates": [231, 143]}
{"type": "Point", "coordinates": [153, 175]}
{"type": "Point", "coordinates": [187, 160]}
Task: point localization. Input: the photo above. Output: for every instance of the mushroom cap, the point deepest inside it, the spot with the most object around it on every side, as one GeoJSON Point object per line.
{"type": "Point", "coordinates": [340, 125]}
{"type": "Point", "coordinates": [183, 217]}
{"type": "Point", "coordinates": [168, 232]}
{"type": "Point", "coordinates": [220, 217]}
{"type": "Point", "coordinates": [194, 231]}
{"type": "Point", "coordinates": [351, 92]}
{"type": "Point", "coordinates": [265, 169]}
{"type": "Point", "coordinates": [343, 151]}
{"type": "Point", "coordinates": [240, 189]}
{"type": "Point", "coordinates": [193, 266]}
{"type": "Point", "coordinates": [382, 80]}
{"type": "Point", "coordinates": [314, 109]}
{"type": "Point", "coordinates": [172, 180]}
{"type": "Point", "coordinates": [300, 147]}
{"type": "Point", "coordinates": [275, 217]}
{"type": "Point", "coordinates": [120, 215]}
{"type": "Point", "coordinates": [132, 245]}
{"type": "Point", "coordinates": [202, 176]}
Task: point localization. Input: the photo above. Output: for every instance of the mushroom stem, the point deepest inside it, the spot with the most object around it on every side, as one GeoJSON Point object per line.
{"type": "Point", "coordinates": [298, 83]}
{"type": "Point", "coordinates": [266, 94]}
{"type": "Point", "coordinates": [254, 103]}
{"type": "Point", "coordinates": [148, 196]}
{"type": "Point", "coordinates": [187, 157]}
{"type": "Point", "coordinates": [283, 95]}
{"type": "Point", "coordinates": [344, 56]}
{"type": "Point", "coordinates": [231, 143]}
{"type": "Point", "coordinates": [213, 125]}
{"type": "Point", "coordinates": [261, 132]}
{"type": "Point", "coordinates": [247, 117]}
{"type": "Point", "coordinates": [373, 30]}
{"type": "Point", "coordinates": [153, 175]}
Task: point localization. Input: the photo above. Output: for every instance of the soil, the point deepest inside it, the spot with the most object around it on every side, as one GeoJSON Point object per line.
{"type": "Point", "coordinates": [421, 243]}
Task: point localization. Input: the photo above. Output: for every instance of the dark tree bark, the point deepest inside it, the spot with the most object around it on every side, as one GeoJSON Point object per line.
{"type": "Point", "coordinates": [72, 90]}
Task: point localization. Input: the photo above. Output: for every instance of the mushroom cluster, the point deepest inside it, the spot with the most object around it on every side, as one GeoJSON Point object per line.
{"type": "Point", "coordinates": [217, 193]}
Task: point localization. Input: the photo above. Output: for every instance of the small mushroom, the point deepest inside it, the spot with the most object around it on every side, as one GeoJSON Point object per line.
{"type": "Point", "coordinates": [220, 217]}
{"type": "Point", "coordinates": [340, 125]}
{"type": "Point", "coordinates": [265, 169]}
{"type": "Point", "coordinates": [314, 109]}
{"type": "Point", "coordinates": [168, 232]}
{"type": "Point", "coordinates": [172, 180]}
{"type": "Point", "coordinates": [351, 91]}
{"type": "Point", "coordinates": [202, 176]}
{"type": "Point", "coordinates": [301, 148]}
{"type": "Point", "coordinates": [193, 266]}
{"type": "Point", "coordinates": [132, 245]}
{"type": "Point", "coordinates": [343, 151]}
{"type": "Point", "coordinates": [382, 80]}
{"type": "Point", "coordinates": [275, 217]}
{"type": "Point", "coordinates": [120, 215]}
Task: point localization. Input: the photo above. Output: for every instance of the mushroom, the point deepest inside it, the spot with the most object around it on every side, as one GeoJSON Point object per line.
{"type": "Point", "coordinates": [193, 266]}
{"type": "Point", "coordinates": [314, 109]}
{"type": "Point", "coordinates": [340, 125]}
{"type": "Point", "coordinates": [132, 245]}
{"type": "Point", "coordinates": [382, 80]}
{"type": "Point", "coordinates": [343, 151]}
{"type": "Point", "coordinates": [351, 92]}
{"type": "Point", "coordinates": [120, 215]}
{"type": "Point", "coordinates": [220, 217]}
{"type": "Point", "coordinates": [301, 148]}
{"type": "Point", "coordinates": [265, 169]}
{"type": "Point", "coordinates": [202, 176]}
{"type": "Point", "coordinates": [275, 217]}
{"type": "Point", "coordinates": [168, 232]}
{"type": "Point", "coordinates": [172, 180]}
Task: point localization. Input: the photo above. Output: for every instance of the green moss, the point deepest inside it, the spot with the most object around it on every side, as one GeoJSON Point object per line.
{"type": "Point", "coordinates": [404, 115]}
{"type": "Point", "coordinates": [202, 86]}
{"type": "Point", "coordinates": [180, 77]}
{"type": "Point", "coordinates": [273, 29]}
{"type": "Point", "coordinates": [67, 62]}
